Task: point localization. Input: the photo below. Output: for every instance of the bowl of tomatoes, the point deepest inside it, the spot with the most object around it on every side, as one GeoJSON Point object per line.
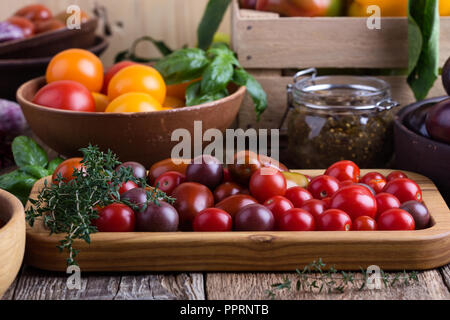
{"type": "Point", "coordinates": [128, 107]}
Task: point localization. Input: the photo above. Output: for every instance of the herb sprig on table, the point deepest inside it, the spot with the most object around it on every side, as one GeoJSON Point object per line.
{"type": "Point", "coordinates": [70, 207]}
{"type": "Point", "coordinates": [313, 278]}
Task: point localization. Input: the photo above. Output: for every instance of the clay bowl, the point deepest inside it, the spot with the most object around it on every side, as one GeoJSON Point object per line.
{"type": "Point", "coordinates": [144, 137]}
{"type": "Point", "coordinates": [49, 43]}
{"type": "Point", "coordinates": [12, 239]}
{"type": "Point", "coordinates": [418, 153]}
{"type": "Point", "coordinates": [17, 71]}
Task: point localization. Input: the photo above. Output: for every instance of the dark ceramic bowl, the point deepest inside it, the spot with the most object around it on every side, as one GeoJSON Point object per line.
{"type": "Point", "coordinates": [144, 137]}
{"type": "Point", "coordinates": [50, 43]}
{"type": "Point", "coordinates": [15, 72]}
{"type": "Point", "coordinates": [416, 152]}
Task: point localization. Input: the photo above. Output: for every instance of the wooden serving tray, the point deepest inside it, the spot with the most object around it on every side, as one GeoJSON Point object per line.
{"type": "Point", "coordinates": [254, 251]}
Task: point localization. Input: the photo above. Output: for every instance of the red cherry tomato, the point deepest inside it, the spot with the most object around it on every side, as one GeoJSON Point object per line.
{"type": "Point", "coordinates": [35, 12]}
{"type": "Point", "coordinates": [112, 72]}
{"type": "Point", "coordinates": [226, 175]}
{"type": "Point", "coordinates": [345, 183]}
{"type": "Point", "coordinates": [375, 180]}
{"type": "Point", "coordinates": [364, 223]}
{"type": "Point", "coordinates": [298, 196]}
{"type": "Point", "coordinates": [278, 205]}
{"type": "Point", "coordinates": [395, 175]}
{"type": "Point", "coordinates": [126, 186]}
{"type": "Point", "coordinates": [386, 201]}
{"type": "Point", "coordinates": [334, 220]}
{"type": "Point", "coordinates": [315, 207]}
{"type": "Point", "coordinates": [323, 186]}
{"type": "Point", "coordinates": [212, 219]}
{"type": "Point", "coordinates": [65, 95]}
{"type": "Point", "coordinates": [344, 170]}
{"type": "Point", "coordinates": [395, 219]}
{"type": "Point", "coordinates": [226, 190]}
{"type": "Point", "coordinates": [266, 183]}
{"type": "Point", "coordinates": [356, 201]}
{"type": "Point", "coordinates": [404, 189]}
{"type": "Point", "coordinates": [168, 181]}
{"type": "Point", "coordinates": [297, 220]}
{"type": "Point", "coordinates": [28, 28]}
{"type": "Point", "coordinates": [235, 203]}
{"type": "Point", "coordinates": [116, 217]}
{"type": "Point", "coordinates": [327, 202]}
{"type": "Point", "coordinates": [67, 168]}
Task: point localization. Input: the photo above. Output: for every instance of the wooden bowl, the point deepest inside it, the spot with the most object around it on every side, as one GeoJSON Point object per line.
{"type": "Point", "coordinates": [415, 152]}
{"type": "Point", "coordinates": [50, 43]}
{"type": "Point", "coordinates": [12, 239]}
{"type": "Point", "coordinates": [144, 137]}
{"type": "Point", "coordinates": [17, 71]}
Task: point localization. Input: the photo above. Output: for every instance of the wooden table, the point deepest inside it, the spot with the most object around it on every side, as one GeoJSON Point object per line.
{"type": "Point", "coordinates": [34, 284]}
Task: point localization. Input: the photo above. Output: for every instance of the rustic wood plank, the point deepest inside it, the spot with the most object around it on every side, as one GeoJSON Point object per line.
{"type": "Point", "coordinates": [36, 284]}
{"type": "Point", "coordinates": [445, 272]}
{"type": "Point", "coordinates": [275, 87]}
{"type": "Point", "coordinates": [253, 286]}
{"type": "Point", "coordinates": [9, 294]}
{"type": "Point", "coordinates": [347, 42]}
{"type": "Point", "coordinates": [182, 286]}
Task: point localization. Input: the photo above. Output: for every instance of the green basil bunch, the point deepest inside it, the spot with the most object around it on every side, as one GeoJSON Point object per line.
{"type": "Point", "coordinates": [215, 68]}
{"type": "Point", "coordinates": [33, 165]}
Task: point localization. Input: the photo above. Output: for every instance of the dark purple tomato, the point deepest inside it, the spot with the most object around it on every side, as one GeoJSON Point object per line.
{"type": "Point", "coordinates": [254, 217]}
{"type": "Point", "coordinates": [438, 121]}
{"type": "Point", "coordinates": [227, 189]}
{"type": "Point", "coordinates": [205, 170]}
{"type": "Point", "coordinates": [157, 218]}
{"type": "Point", "coordinates": [419, 212]}
{"type": "Point", "coordinates": [136, 196]}
{"type": "Point", "coordinates": [139, 170]}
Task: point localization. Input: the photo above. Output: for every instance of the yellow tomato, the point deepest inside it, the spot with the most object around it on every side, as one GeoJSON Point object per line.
{"type": "Point", "coordinates": [134, 102]}
{"type": "Point", "coordinates": [444, 7]}
{"type": "Point", "coordinates": [138, 78]}
{"type": "Point", "coordinates": [77, 65]}
{"type": "Point", "coordinates": [101, 102]}
{"type": "Point", "coordinates": [172, 102]}
{"type": "Point", "coordinates": [389, 8]}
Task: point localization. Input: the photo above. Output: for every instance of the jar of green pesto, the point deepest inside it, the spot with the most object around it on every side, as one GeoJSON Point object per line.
{"type": "Point", "coordinates": [333, 118]}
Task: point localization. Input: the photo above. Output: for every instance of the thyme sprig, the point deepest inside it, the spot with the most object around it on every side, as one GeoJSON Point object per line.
{"type": "Point", "coordinates": [314, 279]}
{"type": "Point", "coordinates": [70, 207]}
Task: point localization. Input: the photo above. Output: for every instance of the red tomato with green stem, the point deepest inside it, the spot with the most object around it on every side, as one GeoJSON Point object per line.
{"type": "Point", "coordinates": [167, 182]}
{"type": "Point", "coordinates": [323, 186]}
{"type": "Point", "coordinates": [344, 170]}
{"type": "Point", "coordinates": [386, 201]}
{"type": "Point", "coordinates": [278, 205]}
{"type": "Point", "coordinates": [375, 180]}
{"type": "Point", "coordinates": [356, 201]}
{"type": "Point", "coordinates": [364, 223]}
{"type": "Point", "coordinates": [404, 190]}
{"type": "Point", "coordinates": [116, 217]}
{"type": "Point", "coordinates": [298, 196]}
{"type": "Point", "coordinates": [212, 220]}
{"type": "Point", "coordinates": [334, 220]}
{"type": "Point", "coordinates": [297, 220]}
{"type": "Point", "coordinates": [395, 219]}
{"type": "Point", "coordinates": [65, 95]}
{"type": "Point", "coordinates": [266, 183]}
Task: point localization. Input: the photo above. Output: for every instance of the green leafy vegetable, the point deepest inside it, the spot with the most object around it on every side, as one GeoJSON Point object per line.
{"type": "Point", "coordinates": [212, 17]}
{"type": "Point", "coordinates": [183, 65]}
{"type": "Point", "coordinates": [424, 27]}
{"type": "Point", "coordinates": [259, 96]}
{"type": "Point", "coordinates": [28, 152]}
{"type": "Point", "coordinates": [218, 74]}
{"type": "Point", "coordinates": [194, 95]}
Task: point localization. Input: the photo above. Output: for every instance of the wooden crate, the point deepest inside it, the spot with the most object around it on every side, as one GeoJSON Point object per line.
{"type": "Point", "coordinates": [270, 47]}
{"type": "Point", "coordinates": [252, 251]}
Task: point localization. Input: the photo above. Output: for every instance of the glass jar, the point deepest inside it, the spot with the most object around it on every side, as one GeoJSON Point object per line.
{"type": "Point", "coordinates": [334, 118]}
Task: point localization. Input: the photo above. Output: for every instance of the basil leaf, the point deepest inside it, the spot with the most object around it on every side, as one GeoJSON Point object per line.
{"type": "Point", "coordinates": [183, 65]}
{"type": "Point", "coordinates": [257, 93]}
{"type": "Point", "coordinates": [35, 171]}
{"type": "Point", "coordinates": [423, 68]}
{"type": "Point", "coordinates": [218, 74]}
{"type": "Point", "coordinates": [194, 95]}
{"type": "Point", "coordinates": [18, 183]}
{"type": "Point", "coordinates": [212, 17]}
{"type": "Point", "coordinates": [28, 152]}
{"type": "Point", "coordinates": [223, 49]}
{"type": "Point", "coordinates": [54, 164]}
